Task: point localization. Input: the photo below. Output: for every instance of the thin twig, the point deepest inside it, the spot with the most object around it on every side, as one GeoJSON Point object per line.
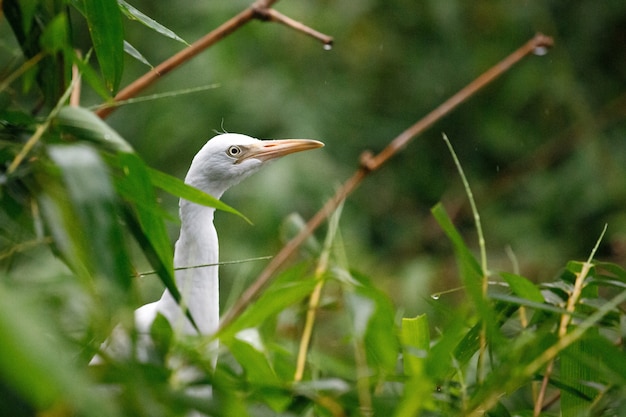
{"type": "Point", "coordinates": [260, 10]}
{"type": "Point", "coordinates": [276, 16]}
{"type": "Point", "coordinates": [75, 95]}
{"type": "Point", "coordinates": [370, 163]}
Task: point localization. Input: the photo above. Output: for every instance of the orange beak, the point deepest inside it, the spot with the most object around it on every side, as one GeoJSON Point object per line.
{"type": "Point", "coordinates": [271, 149]}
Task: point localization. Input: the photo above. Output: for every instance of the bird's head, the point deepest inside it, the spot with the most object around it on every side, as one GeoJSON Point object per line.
{"type": "Point", "coordinates": [228, 158]}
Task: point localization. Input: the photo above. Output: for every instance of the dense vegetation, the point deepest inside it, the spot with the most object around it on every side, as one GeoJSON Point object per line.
{"type": "Point", "coordinates": [482, 277]}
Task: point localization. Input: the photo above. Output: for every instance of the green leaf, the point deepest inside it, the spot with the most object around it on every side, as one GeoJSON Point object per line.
{"type": "Point", "coordinates": [415, 339]}
{"type": "Point", "coordinates": [130, 50]}
{"type": "Point", "coordinates": [471, 272]}
{"type": "Point", "coordinates": [576, 374]}
{"type": "Point", "coordinates": [107, 34]}
{"type": "Point", "coordinates": [177, 187]}
{"type": "Point", "coordinates": [255, 364]}
{"type": "Point", "coordinates": [37, 364]}
{"type": "Point", "coordinates": [162, 334]}
{"type": "Point", "coordinates": [84, 124]}
{"type": "Point", "coordinates": [89, 74]}
{"type": "Point", "coordinates": [82, 215]}
{"type": "Point", "coordinates": [285, 291]}
{"type": "Point", "coordinates": [55, 36]}
{"type": "Point", "coordinates": [523, 287]}
{"type": "Point", "coordinates": [134, 14]}
{"type": "Point", "coordinates": [373, 319]}
{"type": "Point", "coordinates": [136, 187]}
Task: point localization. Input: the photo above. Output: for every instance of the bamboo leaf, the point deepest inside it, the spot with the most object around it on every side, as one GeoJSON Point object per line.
{"type": "Point", "coordinates": [470, 271]}
{"type": "Point", "coordinates": [285, 291]}
{"type": "Point", "coordinates": [82, 215]}
{"type": "Point", "coordinates": [132, 51]}
{"type": "Point", "coordinates": [136, 186]}
{"type": "Point", "coordinates": [469, 266]}
{"type": "Point", "coordinates": [415, 339]}
{"type": "Point", "coordinates": [134, 14]}
{"type": "Point", "coordinates": [40, 366]}
{"type": "Point", "coordinates": [177, 187]}
{"type": "Point", "coordinates": [373, 320]}
{"type": "Point", "coordinates": [107, 34]}
{"type": "Point", "coordinates": [84, 124]}
{"type": "Point", "coordinates": [576, 375]}
{"type": "Point", "coordinates": [523, 287]}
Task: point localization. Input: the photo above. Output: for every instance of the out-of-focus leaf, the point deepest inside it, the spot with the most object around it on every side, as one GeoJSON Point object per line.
{"type": "Point", "coordinates": [612, 358]}
{"type": "Point", "coordinates": [614, 269]}
{"type": "Point", "coordinates": [286, 290]}
{"type": "Point", "coordinates": [177, 187]}
{"type": "Point", "coordinates": [291, 226]}
{"type": "Point", "coordinates": [362, 309]}
{"type": "Point", "coordinates": [84, 124]}
{"type": "Point", "coordinates": [415, 339]}
{"type": "Point", "coordinates": [469, 345]}
{"type": "Point", "coordinates": [134, 14]}
{"type": "Point", "coordinates": [258, 369]}
{"type": "Point", "coordinates": [136, 187]}
{"type": "Point", "coordinates": [82, 215]}
{"type": "Point", "coordinates": [40, 366]}
{"type": "Point", "coordinates": [576, 374]}
{"type": "Point", "coordinates": [104, 20]}
{"type": "Point", "coordinates": [260, 376]}
{"type": "Point", "coordinates": [162, 334]}
{"type": "Point", "coordinates": [29, 22]}
{"type": "Point", "coordinates": [523, 287]}
{"type": "Point", "coordinates": [89, 74]}
{"type": "Point", "coordinates": [55, 36]}
{"type": "Point", "coordinates": [471, 271]}
{"type": "Point", "coordinates": [467, 263]}
{"type": "Point", "coordinates": [373, 314]}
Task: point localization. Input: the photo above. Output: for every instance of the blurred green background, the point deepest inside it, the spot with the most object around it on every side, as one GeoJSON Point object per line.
{"type": "Point", "coordinates": [544, 147]}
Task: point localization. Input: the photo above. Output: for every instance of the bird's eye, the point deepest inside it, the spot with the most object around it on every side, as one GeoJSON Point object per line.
{"type": "Point", "coordinates": [233, 151]}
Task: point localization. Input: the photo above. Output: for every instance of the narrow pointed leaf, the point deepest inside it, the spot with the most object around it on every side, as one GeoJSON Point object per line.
{"type": "Point", "coordinates": [137, 189]}
{"type": "Point", "coordinates": [373, 314]}
{"type": "Point", "coordinates": [470, 269]}
{"type": "Point", "coordinates": [285, 291]}
{"type": "Point", "coordinates": [523, 287]}
{"type": "Point", "coordinates": [133, 13]}
{"type": "Point", "coordinates": [177, 187]}
{"type": "Point", "coordinates": [107, 34]}
{"type": "Point", "coordinates": [84, 124]}
{"type": "Point", "coordinates": [81, 211]}
{"type": "Point", "coordinates": [132, 51]}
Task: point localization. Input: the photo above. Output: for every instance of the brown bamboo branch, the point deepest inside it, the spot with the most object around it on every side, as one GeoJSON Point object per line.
{"type": "Point", "coordinates": [370, 163]}
{"type": "Point", "coordinates": [260, 9]}
{"type": "Point", "coordinates": [275, 16]}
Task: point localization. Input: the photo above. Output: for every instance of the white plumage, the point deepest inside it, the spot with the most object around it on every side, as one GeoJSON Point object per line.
{"type": "Point", "coordinates": [222, 162]}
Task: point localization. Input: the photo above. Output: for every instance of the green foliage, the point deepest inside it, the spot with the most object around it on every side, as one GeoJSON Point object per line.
{"type": "Point", "coordinates": [81, 214]}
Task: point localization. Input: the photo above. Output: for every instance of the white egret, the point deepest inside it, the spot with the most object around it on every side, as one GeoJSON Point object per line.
{"type": "Point", "coordinates": [222, 162]}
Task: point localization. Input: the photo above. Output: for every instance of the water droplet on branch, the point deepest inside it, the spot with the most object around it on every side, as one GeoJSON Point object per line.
{"type": "Point", "coordinates": [435, 296]}
{"type": "Point", "coordinates": [328, 46]}
{"type": "Point", "coordinates": [540, 51]}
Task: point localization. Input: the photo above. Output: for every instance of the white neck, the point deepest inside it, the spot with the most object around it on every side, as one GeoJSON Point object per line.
{"type": "Point", "coordinates": [199, 285]}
